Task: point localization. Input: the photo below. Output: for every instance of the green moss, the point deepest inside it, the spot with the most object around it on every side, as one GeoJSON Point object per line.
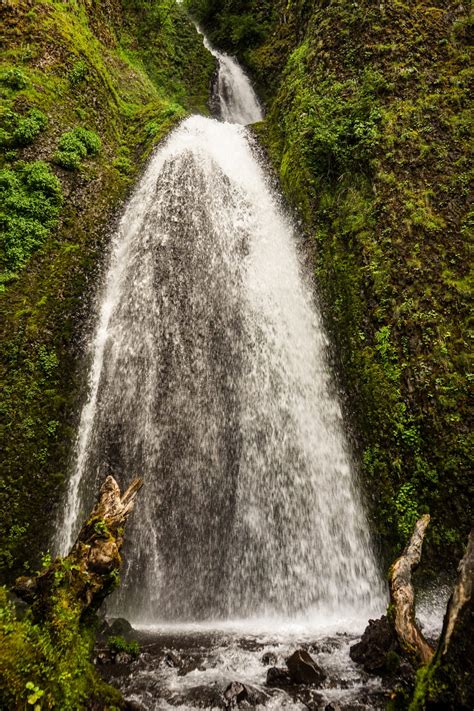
{"type": "Point", "coordinates": [49, 666]}
{"type": "Point", "coordinates": [78, 73]}
{"type": "Point", "coordinates": [76, 145]}
{"type": "Point", "coordinates": [120, 644]}
{"type": "Point", "coordinates": [18, 131]}
{"type": "Point", "coordinates": [14, 78]}
{"type": "Point", "coordinates": [31, 199]}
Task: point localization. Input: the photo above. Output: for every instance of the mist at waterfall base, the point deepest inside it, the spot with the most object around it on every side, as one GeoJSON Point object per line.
{"type": "Point", "coordinates": [209, 379]}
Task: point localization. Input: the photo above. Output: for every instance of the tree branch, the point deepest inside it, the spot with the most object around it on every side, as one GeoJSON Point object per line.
{"type": "Point", "coordinates": [402, 596]}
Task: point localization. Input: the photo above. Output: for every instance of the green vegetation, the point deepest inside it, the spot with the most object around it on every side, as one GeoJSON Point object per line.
{"type": "Point", "coordinates": [237, 25]}
{"type": "Point", "coordinates": [19, 130]}
{"type": "Point", "coordinates": [31, 199]}
{"type": "Point", "coordinates": [74, 146]}
{"type": "Point", "coordinates": [368, 124]}
{"type": "Point", "coordinates": [86, 92]}
{"type": "Point", "coordinates": [48, 666]}
{"type": "Point", "coordinates": [120, 644]}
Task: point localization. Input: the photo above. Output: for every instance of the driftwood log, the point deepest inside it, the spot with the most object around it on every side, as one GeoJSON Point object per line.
{"type": "Point", "coordinates": [448, 681]}
{"type": "Point", "coordinates": [91, 570]}
{"type": "Point", "coordinates": [402, 597]}
{"type": "Point", "coordinates": [445, 678]}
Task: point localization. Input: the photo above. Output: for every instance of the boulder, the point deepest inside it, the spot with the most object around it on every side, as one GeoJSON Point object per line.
{"type": "Point", "coordinates": [134, 705]}
{"type": "Point", "coordinates": [120, 627]}
{"type": "Point", "coordinates": [278, 677]}
{"type": "Point", "coordinates": [234, 694]}
{"type": "Point", "coordinates": [244, 696]}
{"type": "Point", "coordinates": [376, 647]}
{"type": "Point", "coordinates": [303, 669]}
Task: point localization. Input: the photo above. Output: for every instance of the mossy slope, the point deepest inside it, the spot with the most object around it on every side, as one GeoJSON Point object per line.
{"type": "Point", "coordinates": [86, 90]}
{"type": "Point", "coordinates": [368, 126]}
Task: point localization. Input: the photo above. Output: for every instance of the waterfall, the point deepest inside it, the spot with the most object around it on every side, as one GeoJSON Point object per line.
{"type": "Point", "coordinates": [236, 98]}
{"type": "Point", "coordinates": [209, 379]}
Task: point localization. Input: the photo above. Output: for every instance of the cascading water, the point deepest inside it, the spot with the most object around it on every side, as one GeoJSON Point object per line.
{"type": "Point", "coordinates": [209, 379]}
{"type": "Point", "coordinates": [236, 101]}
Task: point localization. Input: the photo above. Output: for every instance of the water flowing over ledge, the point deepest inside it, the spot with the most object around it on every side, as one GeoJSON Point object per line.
{"type": "Point", "coordinates": [209, 378]}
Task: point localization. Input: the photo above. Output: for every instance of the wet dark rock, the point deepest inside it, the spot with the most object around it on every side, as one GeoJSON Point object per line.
{"type": "Point", "coordinates": [120, 627]}
{"type": "Point", "coordinates": [326, 646]}
{"type": "Point", "coordinates": [311, 699]}
{"type": "Point", "coordinates": [379, 653]}
{"type": "Point", "coordinates": [304, 670]}
{"type": "Point", "coordinates": [133, 705]}
{"type": "Point", "coordinates": [376, 644]}
{"type": "Point", "coordinates": [172, 660]}
{"type": "Point", "coordinates": [190, 664]}
{"type": "Point", "coordinates": [103, 656]}
{"type": "Point", "coordinates": [201, 697]}
{"type": "Point", "coordinates": [123, 658]}
{"type": "Point", "coordinates": [336, 682]}
{"type": "Point", "coordinates": [234, 694]}
{"type": "Point", "coordinates": [278, 677]}
{"type": "Point", "coordinates": [243, 696]}
{"type": "Point", "coordinates": [269, 658]}
{"type": "Point", "coordinates": [103, 631]}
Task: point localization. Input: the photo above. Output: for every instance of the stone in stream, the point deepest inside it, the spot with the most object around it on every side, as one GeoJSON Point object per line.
{"type": "Point", "coordinates": [303, 669]}
{"type": "Point", "coordinates": [123, 658]}
{"type": "Point", "coordinates": [278, 677]}
{"type": "Point", "coordinates": [120, 627]}
{"type": "Point", "coordinates": [200, 697]}
{"type": "Point", "coordinates": [237, 694]}
{"type": "Point", "coordinates": [234, 694]}
{"type": "Point", "coordinates": [134, 705]}
{"type": "Point", "coordinates": [269, 658]}
{"type": "Point", "coordinates": [172, 660]}
{"type": "Point", "coordinates": [377, 642]}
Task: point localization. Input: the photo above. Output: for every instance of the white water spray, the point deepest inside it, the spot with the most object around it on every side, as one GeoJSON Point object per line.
{"type": "Point", "coordinates": [209, 379]}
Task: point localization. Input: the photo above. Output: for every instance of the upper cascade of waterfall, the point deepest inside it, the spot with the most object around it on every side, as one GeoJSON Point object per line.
{"type": "Point", "coordinates": [237, 100]}
{"type": "Point", "coordinates": [209, 378]}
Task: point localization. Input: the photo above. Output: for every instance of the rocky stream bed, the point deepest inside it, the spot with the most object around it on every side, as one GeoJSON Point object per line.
{"type": "Point", "coordinates": [233, 664]}
{"type": "Point", "coordinates": [215, 670]}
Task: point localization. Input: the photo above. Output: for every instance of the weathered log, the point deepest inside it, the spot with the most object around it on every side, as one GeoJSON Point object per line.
{"type": "Point", "coordinates": [448, 681]}
{"type": "Point", "coordinates": [91, 570]}
{"type": "Point", "coordinates": [402, 597]}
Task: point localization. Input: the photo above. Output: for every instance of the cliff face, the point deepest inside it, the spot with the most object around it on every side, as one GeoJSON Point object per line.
{"type": "Point", "coordinates": [368, 128]}
{"type": "Point", "coordinates": [86, 90]}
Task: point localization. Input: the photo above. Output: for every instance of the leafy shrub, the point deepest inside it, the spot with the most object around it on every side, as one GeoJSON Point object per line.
{"type": "Point", "coordinates": [77, 73]}
{"type": "Point", "coordinates": [19, 130]}
{"type": "Point", "coordinates": [29, 127]}
{"type": "Point", "coordinates": [407, 509]}
{"type": "Point", "coordinates": [14, 78]}
{"type": "Point", "coordinates": [30, 202]}
{"type": "Point", "coordinates": [120, 644]}
{"type": "Point", "coordinates": [123, 165]}
{"type": "Point", "coordinates": [76, 145]}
